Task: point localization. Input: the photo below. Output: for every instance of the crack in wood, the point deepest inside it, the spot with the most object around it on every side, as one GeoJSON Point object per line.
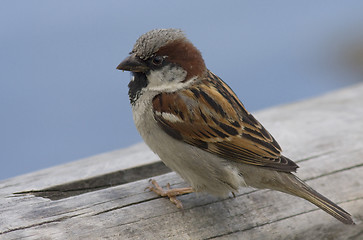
{"type": "Point", "coordinates": [334, 172]}
{"type": "Point", "coordinates": [41, 223]}
{"type": "Point", "coordinates": [123, 206]}
{"type": "Point", "coordinates": [357, 236]}
{"type": "Point", "coordinates": [274, 221]}
{"type": "Point", "coordinates": [99, 182]}
{"type": "Point", "coordinates": [314, 156]}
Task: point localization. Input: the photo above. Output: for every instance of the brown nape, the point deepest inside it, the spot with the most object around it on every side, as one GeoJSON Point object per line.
{"type": "Point", "coordinates": [183, 53]}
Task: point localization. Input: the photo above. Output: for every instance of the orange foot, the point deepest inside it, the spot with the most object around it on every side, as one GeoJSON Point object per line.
{"type": "Point", "coordinates": [170, 193]}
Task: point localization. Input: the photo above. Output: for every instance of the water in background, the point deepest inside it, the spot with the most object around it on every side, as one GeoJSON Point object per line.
{"type": "Point", "coordinates": [61, 98]}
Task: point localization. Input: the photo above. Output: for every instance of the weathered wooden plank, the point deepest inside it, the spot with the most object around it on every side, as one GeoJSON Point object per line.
{"type": "Point", "coordinates": [117, 210]}
{"type": "Point", "coordinates": [324, 135]}
{"type": "Point", "coordinates": [88, 168]}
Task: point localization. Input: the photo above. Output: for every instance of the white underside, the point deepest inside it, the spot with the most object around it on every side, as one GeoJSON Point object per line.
{"type": "Point", "coordinates": [202, 170]}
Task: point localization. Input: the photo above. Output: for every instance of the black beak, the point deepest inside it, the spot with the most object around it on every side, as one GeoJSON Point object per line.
{"type": "Point", "coordinates": [133, 64]}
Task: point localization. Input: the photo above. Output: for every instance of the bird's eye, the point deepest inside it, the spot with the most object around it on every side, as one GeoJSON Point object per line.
{"type": "Point", "coordinates": [157, 60]}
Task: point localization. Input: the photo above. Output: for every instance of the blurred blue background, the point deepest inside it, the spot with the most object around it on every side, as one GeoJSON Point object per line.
{"type": "Point", "coordinates": [61, 98]}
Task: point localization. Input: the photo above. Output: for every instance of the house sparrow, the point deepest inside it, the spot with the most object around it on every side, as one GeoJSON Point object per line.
{"type": "Point", "coordinates": [199, 128]}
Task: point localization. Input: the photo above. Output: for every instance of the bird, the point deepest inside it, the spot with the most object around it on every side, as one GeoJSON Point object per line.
{"type": "Point", "coordinates": [200, 129]}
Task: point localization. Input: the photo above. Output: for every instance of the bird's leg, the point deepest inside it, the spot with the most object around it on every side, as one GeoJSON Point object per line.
{"type": "Point", "coordinates": [171, 193]}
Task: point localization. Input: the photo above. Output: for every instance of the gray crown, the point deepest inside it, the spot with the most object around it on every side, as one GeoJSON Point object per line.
{"type": "Point", "coordinates": [152, 41]}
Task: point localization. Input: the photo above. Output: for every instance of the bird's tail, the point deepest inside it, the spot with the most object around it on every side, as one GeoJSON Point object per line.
{"type": "Point", "coordinates": [299, 188]}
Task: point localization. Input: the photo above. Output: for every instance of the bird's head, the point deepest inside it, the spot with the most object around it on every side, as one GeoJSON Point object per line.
{"type": "Point", "coordinates": [162, 60]}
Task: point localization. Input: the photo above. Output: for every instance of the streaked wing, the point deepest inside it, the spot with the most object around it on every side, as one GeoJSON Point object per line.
{"type": "Point", "coordinates": [213, 119]}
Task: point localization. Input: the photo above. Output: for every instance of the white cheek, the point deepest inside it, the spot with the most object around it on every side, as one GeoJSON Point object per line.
{"type": "Point", "coordinates": [167, 79]}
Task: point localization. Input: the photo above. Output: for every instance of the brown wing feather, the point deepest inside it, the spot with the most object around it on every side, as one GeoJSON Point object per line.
{"type": "Point", "coordinates": [210, 116]}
